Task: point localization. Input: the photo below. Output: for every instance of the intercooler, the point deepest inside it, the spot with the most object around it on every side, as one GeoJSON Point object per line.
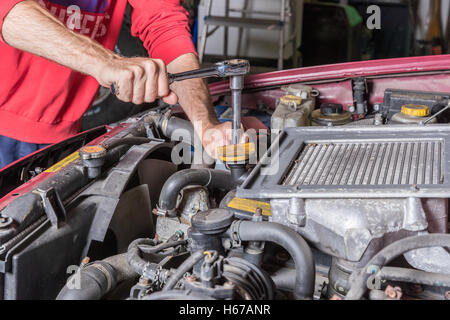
{"type": "Point", "coordinates": [353, 190]}
{"type": "Point", "coordinates": [368, 163]}
{"type": "Point", "coordinates": [362, 162]}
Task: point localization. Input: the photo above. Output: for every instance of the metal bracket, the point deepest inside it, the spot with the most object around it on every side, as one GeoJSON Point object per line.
{"type": "Point", "coordinates": [53, 206]}
{"type": "Point", "coordinates": [234, 228]}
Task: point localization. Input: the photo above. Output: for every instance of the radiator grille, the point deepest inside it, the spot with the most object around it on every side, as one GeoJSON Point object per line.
{"type": "Point", "coordinates": [362, 163]}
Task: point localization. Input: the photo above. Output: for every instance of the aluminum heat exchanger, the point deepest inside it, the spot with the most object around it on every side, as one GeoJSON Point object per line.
{"type": "Point", "coordinates": [351, 191]}
{"type": "Point", "coordinates": [363, 162]}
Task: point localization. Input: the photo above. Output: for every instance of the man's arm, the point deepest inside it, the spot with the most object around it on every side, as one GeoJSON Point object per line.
{"type": "Point", "coordinates": [163, 29]}
{"type": "Point", "coordinates": [31, 28]}
{"type": "Point", "coordinates": [194, 97]}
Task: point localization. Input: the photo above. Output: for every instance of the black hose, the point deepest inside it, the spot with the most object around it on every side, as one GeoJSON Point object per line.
{"type": "Point", "coordinates": [136, 262]}
{"type": "Point", "coordinates": [129, 141]}
{"type": "Point", "coordinates": [414, 276]}
{"type": "Point", "coordinates": [97, 279]}
{"type": "Point", "coordinates": [218, 179]}
{"type": "Point", "coordinates": [159, 247]}
{"type": "Point", "coordinates": [283, 278]}
{"type": "Point", "coordinates": [184, 132]}
{"type": "Point", "coordinates": [187, 265]}
{"type": "Point", "coordinates": [176, 295]}
{"type": "Point", "coordinates": [293, 243]}
{"type": "Point", "coordinates": [358, 279]}
{"type": "Point", "coordinates": [173, 124]}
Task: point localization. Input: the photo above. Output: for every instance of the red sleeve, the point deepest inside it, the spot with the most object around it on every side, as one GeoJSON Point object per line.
{"type": "Point", "coordinates": [5, 8]}
{"type": "Point", "coordinates": [163, 26]}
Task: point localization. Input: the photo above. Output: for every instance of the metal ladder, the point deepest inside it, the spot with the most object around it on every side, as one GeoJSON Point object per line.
{"type": "Point", "coordinates": [249, 23]}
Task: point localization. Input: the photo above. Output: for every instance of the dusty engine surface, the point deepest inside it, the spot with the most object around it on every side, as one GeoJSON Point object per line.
{"type": "Point", "coordinates": [348, 202]}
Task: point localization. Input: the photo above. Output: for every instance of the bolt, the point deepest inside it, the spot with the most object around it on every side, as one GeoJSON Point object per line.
{"type": "Point", "coordinates": [447, 295]}
{"type": "Point", "coordinates": [227, 244]}
{"type": "Point", "coordinates": [394, 293]}
{"type": "Point", "coordinates": [190, 278]}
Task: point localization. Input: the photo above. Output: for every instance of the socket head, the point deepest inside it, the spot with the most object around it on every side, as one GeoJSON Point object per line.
{"type": "Point", "coordinates": [234, 67]}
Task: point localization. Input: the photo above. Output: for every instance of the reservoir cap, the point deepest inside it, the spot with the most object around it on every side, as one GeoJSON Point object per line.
{"type": "Point", "coordinates": [415, 110]}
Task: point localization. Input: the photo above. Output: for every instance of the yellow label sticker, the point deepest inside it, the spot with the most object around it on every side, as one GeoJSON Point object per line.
{"type": "Point", "coordinates": [250, 205]}
{"type": "Point", "coordinates": [64, 162]}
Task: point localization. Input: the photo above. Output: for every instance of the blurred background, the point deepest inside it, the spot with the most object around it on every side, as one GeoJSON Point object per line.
{"type": "Point", "coordinates": [283, 34]}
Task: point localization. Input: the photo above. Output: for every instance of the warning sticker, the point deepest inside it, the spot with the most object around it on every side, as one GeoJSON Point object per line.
{"type": "Point", "coordinates": [64, 162]}
{"type": "Point", "coordinates": [250, 205]}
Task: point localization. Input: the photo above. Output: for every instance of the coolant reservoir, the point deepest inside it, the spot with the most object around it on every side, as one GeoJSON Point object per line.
{"type": "Point", "coordinates": [330, 114]}
{"type": "Point", "coordinates": [294, 109]}
{"type": "Point", "coordinates": [412, 113]}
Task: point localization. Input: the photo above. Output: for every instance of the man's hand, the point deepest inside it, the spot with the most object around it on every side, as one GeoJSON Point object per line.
{"type": "Point", "coordinates": [219, 135]}
{"type": "Point", "coordinates": [136, 80]}
{"type": "Point", "coordinates": [196, 102]}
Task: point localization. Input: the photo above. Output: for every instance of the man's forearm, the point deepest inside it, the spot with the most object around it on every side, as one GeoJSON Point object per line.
{"type": "Point", "coordinates": [31, 28]}
{"type": "Point", "coordinates": [193, 95]}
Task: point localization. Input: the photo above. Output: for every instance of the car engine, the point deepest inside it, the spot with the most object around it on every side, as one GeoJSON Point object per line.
{"type": "Point", "coordinates": [338, 201]}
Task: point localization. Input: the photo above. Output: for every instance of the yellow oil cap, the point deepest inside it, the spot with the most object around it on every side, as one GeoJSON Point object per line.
{"type": "Point", "coordinates": [236, 152]}
{"type": "Point", "coordinates": [415, 110]}
{"type": "Point", "coordinates": [290, 99]}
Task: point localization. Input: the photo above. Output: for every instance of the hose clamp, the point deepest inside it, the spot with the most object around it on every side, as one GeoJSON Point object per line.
{"type": "Point", "coordinates": [234, 228]}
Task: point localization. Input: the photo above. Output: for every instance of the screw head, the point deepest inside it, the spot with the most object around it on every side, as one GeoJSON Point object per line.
{"type": "Point", "coordinates": [5, 221]}
{"type": "Point", "coordinates": [190, 278]}
{"type": "Point", "coordinates": [447, 295]}
{"type": "Point", "coordinates": [85, 260]}
{"type": "Point", "coordinates": [394, 293]}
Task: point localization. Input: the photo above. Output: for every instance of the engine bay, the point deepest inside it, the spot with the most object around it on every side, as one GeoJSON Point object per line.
{"type": "Point", "coordinates": [344, 197]}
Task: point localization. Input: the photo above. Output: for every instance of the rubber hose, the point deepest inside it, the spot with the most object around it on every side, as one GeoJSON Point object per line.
{"type": "Point", "coordinates": [187, 265]}
{"type": "Point", "coordinates": [293, 243]}
{"type": "Point", "coordinates": [414, 276]}
{"type": "Point", "coordinates": [97, 279]}
{"type": "Point", "coordinates": [358, 279]}
{"type": "Point", "coordinates": [176, 295]}
{"type": "Point", "coordinates": [211, 178]}
{"type": "Point", "coordinates": [136, 262]}
{"type": "Point", "coordinates": [174, 123]}
{"type": "Point", "coordinates": [283, 278]}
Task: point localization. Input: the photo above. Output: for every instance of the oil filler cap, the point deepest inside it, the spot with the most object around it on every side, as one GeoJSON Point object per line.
{"type": "Point", "coordinates": [236, 152]}
{"type": "Point", "coordinates": [415, 110]}
{"type": "Point", "coordinates": [213, 221]}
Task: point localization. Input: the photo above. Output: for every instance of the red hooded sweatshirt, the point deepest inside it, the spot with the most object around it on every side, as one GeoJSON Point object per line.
{"type": "Point", "coordinates": [43, 102]}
